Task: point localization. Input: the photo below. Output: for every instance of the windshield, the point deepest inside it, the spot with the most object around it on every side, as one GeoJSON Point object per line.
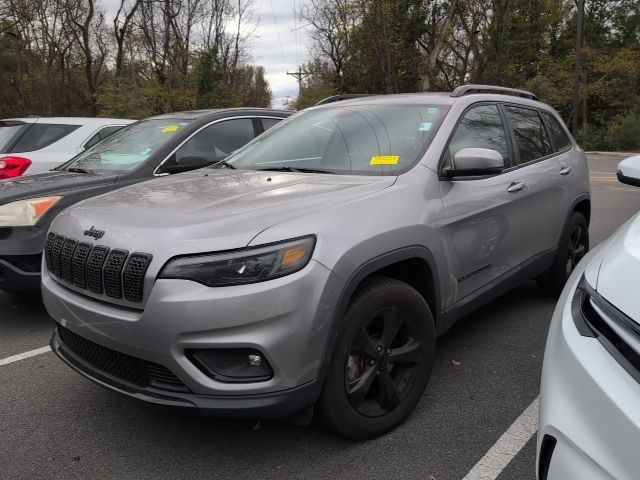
{"type": "Point", "coordinates": [351, 140]}
{"type": "Point", "coordinates": [9, 131]}
{"type": "Point", "coordinates": [127, 148]}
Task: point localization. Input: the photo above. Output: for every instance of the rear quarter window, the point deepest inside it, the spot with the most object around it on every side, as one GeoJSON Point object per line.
{"type": "Point", "coordinates": [41, 135]}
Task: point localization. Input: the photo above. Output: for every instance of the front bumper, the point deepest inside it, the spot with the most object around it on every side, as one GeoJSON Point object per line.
{"type": "Point", "coordinates": [265, 406]}
{"type": "Point", "coordinates": [588, 404]}
{"type": "Point", "coordinates": [21, 258]}
{"type": "Point", "coordinates": [287, 320]}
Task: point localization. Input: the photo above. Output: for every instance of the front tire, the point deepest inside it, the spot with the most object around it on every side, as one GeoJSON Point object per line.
{"type": "Point", "coordinates": [573, 246]}
{"type": "Point", "coordinates": [382, 360]}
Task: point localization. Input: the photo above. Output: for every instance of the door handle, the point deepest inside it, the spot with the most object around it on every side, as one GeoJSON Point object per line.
{"type": "Point", "coordinates": [566, 170]}
{"type": "Point", "coordinates": [515, 187]}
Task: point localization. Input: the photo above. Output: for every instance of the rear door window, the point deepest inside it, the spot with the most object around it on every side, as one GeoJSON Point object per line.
{"type": "Point", "coordinates": [559, 138]}
{"type": "Point", "coordinates": [101, 134]}
{"type": "Point", "coordinates": [216, 142]}
{"type": "Point", "coordinates": [41, 135]}
{"type": "Point", "coordinates": [531, 139]}
{"type": "Point", "coordinates": [267, 123]}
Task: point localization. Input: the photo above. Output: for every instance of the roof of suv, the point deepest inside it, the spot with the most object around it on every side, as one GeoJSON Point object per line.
{"type": "Point", "coordinates": [488, 92]}
{"type": "Point", "coordinates": [193, 114]}
{"type": "Point", "coordinates": [67, 120]}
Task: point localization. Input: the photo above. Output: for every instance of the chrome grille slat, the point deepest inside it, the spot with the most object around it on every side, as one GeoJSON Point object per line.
{"type": "Point", "coordinates": [102, 271]}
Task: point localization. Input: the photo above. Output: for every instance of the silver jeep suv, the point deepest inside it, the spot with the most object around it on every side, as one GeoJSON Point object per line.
{"type": "Point", "coordinates": [318, 264]}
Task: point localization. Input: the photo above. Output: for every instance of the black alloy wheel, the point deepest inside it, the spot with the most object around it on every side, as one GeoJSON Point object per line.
{"type": "Point", "coordinates": [381, 361]}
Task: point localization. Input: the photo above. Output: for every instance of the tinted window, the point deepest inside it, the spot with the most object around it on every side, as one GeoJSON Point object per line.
{"type": "Point", "coordinates": [481, 127]}
{"type": "Point", "coordinates": [103, 133]}
{"type": "Point", "coordinates": [267, 123]}
{"type": "Point", "coordinates": [42, 135]}
{"type": "Point", "coordinates": [532, 141]}
{"type": "Point", "coordinates": [357, 140]}
{"type": "Point", "coordinates": [216, 142]}
{"type": "Point", "coordinates": [9, 131]}
{"type": "Point", "coordinates": [130, 146]}
{"type": "Point", "coordinates": [559, 137]}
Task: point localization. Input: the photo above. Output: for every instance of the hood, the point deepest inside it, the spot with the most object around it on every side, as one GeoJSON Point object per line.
{"type": "Point", "coordinates": [49, 183]}
{"type": "Point", "coordinates": [619, 274]}
{"type": "Point", "coordinates": [208, 210]}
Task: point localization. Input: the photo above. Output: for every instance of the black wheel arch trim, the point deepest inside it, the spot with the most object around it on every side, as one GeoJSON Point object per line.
{"type": "Point", "coordinates": [367, 269]}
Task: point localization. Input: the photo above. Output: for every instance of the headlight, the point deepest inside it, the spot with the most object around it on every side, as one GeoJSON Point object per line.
{"type": "Point", "coordinates": [243, 266]}
{"type": "Point", "coordinates": [25, 212]}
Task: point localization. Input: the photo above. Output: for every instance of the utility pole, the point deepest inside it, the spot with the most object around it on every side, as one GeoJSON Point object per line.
{"type": "Point", "coordinates": [576, 89]}
{"type": "Point", "coordinates": [299, 75]}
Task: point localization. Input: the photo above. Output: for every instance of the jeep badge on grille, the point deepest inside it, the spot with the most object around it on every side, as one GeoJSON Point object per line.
{"type": "Point", "coordinates": [92, 232]}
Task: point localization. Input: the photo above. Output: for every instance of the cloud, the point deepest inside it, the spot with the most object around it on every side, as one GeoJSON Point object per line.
{"type": "Point", "coordinates": [278, 46]}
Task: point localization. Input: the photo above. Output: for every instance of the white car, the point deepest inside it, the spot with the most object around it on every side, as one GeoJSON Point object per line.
{"type": "Point", "coordinates": [590, 392]}
{"type": "Point", "coordinates": [37, 144]}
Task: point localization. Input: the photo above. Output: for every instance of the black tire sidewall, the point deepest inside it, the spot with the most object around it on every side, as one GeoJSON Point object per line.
{"type": "Point", "coordinates": [554, 280]}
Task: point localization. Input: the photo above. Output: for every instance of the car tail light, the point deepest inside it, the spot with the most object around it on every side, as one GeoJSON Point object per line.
{"type": "Point", "coordinates": [13, 166]}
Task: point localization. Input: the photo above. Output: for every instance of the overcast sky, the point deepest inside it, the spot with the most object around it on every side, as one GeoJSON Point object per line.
{"type": "Point", "coordinates": [278, 46]}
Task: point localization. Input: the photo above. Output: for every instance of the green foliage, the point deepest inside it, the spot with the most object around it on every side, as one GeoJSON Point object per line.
{"type": "Point", "coordinates": [209, 74]}
{"type": "Point", "coordinates": [624, 132]}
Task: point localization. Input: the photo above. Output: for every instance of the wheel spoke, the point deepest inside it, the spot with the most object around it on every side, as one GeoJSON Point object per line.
{"type": "Point", "coordinates": [392, 322]}
{"type": "Point", "coordinates": [363, 345]}
{"type": "Point", "coordinates": [389, 395]}
{"type": "Point", "coordinates": [358, 389]}
{"type": "Point", "coordinates": [408, 353]}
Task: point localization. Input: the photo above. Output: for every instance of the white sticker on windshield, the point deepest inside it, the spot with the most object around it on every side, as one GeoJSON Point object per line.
{"type": "Point", "coordinates": [425, 127]}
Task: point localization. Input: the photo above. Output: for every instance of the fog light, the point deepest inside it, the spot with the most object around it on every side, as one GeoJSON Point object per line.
{"type": "Point", "coordinates": [254, 360]}
{"type": "Point", "coordinates": [233, 365]}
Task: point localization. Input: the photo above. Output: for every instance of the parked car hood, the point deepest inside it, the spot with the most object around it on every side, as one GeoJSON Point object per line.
{"type": "Point", "coordinates": [619, 274]}
{"type": "Point", "coordinates": [49, 183]}
{"type": "Point", "coordinates": [208, 210]}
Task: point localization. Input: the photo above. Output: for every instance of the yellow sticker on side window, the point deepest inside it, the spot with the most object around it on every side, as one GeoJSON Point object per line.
{"type": "Point", "coordinates": [170, 128]}
{"type": "Point", "coordinates": [385, 160]}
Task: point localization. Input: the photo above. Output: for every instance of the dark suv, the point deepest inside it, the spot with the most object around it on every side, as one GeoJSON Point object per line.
{"type": "Point", "coordinates": [155, 147]}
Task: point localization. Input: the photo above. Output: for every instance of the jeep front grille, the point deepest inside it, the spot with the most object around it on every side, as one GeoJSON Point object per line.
{"type": "Point", "coordinates": [98, 269]}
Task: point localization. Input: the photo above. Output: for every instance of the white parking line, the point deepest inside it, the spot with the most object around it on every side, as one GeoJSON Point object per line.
{"type": "Point", "coordinates": [507, 446]}
{"type": "Point", "coordinates": [22, 356]}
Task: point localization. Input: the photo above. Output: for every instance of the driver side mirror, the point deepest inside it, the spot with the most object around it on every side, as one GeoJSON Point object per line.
{"type": "Point", "coordinates": [629, 171]}
{"type": "Point", "coordinates": [475, 161]}
{"type": "Point", "coordinates": [186, 164]}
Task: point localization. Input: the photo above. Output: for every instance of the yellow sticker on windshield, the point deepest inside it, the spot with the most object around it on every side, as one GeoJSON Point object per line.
{"type": "Point", "coordinates": [170, 128]}
{"type": "Point", "coordinates": [385, 160]}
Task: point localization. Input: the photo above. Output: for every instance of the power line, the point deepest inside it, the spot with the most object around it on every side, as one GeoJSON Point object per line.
{"type": "Point", "coordinates": [275, 22]}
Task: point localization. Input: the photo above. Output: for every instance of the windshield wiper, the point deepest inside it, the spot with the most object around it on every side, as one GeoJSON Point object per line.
{"type": "Point", "coordinates": [297, 170]}
{"type": "Point", "coordinates": [77, 170]}
{"type": "Point", "coordinates": [223, 163]}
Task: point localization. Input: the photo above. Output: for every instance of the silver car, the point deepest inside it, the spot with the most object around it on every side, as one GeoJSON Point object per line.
{"type": "Point", "coordinates": [316, 266]}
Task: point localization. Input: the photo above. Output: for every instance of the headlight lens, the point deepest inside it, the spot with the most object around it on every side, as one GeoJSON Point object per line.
{"type": "Point", "coordinates": [245, 266]}
{"type": "Point", "coordinates": [24, 213]}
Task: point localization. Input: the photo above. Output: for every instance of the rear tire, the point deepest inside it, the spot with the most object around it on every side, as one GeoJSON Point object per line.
{"type": "Point", "coordinates": [573, 246]}
{"type": "Point", "coordinates": [382, 360]}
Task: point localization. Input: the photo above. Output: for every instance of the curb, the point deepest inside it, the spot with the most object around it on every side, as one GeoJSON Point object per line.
{"type": "Point", "coordinates": [614, 154]}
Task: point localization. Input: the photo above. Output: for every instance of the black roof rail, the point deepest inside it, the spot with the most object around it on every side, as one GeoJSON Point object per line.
{"type": "Point", "coordinates": [469, 89]}
{"type": "Point", "coordinates": [344, 96]}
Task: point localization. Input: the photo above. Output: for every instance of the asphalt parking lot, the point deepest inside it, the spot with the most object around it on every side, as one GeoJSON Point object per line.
{"type": "Point", "coordinates": [56, 424]}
